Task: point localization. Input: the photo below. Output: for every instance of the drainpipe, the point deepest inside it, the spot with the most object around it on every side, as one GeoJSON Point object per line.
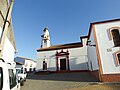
{"type": "Point", "coordinates": [5, 26]}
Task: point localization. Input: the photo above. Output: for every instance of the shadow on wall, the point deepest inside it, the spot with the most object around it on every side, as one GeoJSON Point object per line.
{"type": "Point", "coordinates": [73, 61]}
{"type": "Point", "coordinates": [79, 66]}
{"type": "Point", "coordinates": [71, 76]}
{"type": "Point", "coordinates": [51, 69]}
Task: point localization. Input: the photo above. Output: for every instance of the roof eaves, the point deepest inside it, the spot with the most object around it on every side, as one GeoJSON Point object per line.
{"type": "Point", "coordinates": [106, 21]}
{"type": "Point", "coordinates": [64, 46]}
{"type": "Point", "coordinates": [25, 58]}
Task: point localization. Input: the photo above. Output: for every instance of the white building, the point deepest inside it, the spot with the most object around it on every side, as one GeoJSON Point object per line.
{"type": "Point", "coordinates": [104, 50]}
{"type": "Point", "coordinates": [28, 64]}
{"type": "Point", "coordinates": [66, 57]}
{"type": "Point", "coordinates": [7, 42]}
{"type": "Point", "coordinates": [9, 49]}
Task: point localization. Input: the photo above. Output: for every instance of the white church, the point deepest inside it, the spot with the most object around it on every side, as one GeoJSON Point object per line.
{"type": "Point", "coordinates": [98, 52]}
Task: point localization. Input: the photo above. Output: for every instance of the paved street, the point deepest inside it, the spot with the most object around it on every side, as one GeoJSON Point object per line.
{"type": "Point", "coordinates": [65, 81]}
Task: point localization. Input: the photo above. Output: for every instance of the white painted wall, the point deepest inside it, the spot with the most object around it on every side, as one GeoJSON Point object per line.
{"type": "Point", "coordinates": [30, 65]}
{"type": "Point", "coordinates": [91, 39]}
{"type": "Point", "coordinates": [107, 58]}
{"type": "Point", "coordinates": [50, 57]}
{"type": "Point", "coordinates": [77, 60]}
{"type": "Point", "coordinates": [84, 41]}
{"type": "Point", "coordinates": [92, 55]}
{"type": "Point", "coordinates": [92, 58]}
{"type": "Point", "coordinates": [8, 52]}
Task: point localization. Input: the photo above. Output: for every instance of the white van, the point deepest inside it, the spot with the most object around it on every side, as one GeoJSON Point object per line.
{"type": "Point", "coordinates": [22, 75]}
{"type": "Point", "coordinates": [8, 77]}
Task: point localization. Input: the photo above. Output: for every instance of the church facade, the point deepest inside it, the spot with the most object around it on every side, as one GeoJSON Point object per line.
{"type": "Point", "coordinates": [66, 57]}
{"type": "Point", "coordinates": [98, 52]}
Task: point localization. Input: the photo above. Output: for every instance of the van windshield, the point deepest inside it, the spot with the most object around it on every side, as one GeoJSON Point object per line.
{"type": "Point", "coordinates": [1, 78]}
{"type": "Point", "coordinates": [18, 71]}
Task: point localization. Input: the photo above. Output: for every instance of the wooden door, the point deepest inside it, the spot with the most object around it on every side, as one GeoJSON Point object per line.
{"type": "Point", "coordinates": [63, 64]}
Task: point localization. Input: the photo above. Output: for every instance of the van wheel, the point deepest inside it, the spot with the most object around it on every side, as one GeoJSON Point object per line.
{"type": "Point", "coordinates": [25, 79]}
{"type": "Point", "coordinates": [22, 82]}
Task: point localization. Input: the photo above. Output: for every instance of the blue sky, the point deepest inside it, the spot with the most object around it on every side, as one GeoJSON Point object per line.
{"type": "Point", "coordinates": [66, 20]}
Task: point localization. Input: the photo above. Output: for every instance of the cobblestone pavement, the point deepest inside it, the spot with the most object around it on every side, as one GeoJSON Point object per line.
{"type": "Point", "coordinates": [65, 81]}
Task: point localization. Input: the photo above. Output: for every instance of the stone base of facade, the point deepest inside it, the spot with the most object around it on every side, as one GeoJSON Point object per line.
{"type": "Point", "coordinates": [95, 74]}
{"type": "Point", "coordinates": [106, 77]}
{"type": "Point", "coordinates": [67, 71]}
{"type": "Point", "coordinates": [62, 71]}
{"type": "Point", "coordinates": [110, 77]}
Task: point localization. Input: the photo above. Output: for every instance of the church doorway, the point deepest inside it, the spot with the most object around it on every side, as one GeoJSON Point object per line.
{"type": "Point", "coordinates": [63, 64]}
{"type": "Point", "coordinates": [62, 60]}
{"type": "Point", "coordinates": [44, 65]}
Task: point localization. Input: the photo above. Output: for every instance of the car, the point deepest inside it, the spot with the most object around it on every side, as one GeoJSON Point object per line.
{"type": "Point", "coordinates": [8, 77]}
{"type": "Point", "coordinates": [21, 75]}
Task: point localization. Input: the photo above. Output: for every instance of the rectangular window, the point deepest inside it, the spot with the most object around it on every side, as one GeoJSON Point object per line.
{"type": "Point", "coordinates": [25, 69]}
{"type": "Point", "coordinates": [19, 71]}
{"type": "Point", "coordinates": [12, 78]}
{"type": "Point", "coordinates": [116, 37]}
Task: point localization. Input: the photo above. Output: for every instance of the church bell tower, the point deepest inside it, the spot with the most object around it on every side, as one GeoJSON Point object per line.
{"type": "Point", "coordinates": [45, 38]}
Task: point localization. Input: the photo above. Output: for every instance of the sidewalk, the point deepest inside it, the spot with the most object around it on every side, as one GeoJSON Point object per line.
{"type": "Point", "coordinates": [100, 86]}
{"type": "Point", "coordinates": [97, 87]}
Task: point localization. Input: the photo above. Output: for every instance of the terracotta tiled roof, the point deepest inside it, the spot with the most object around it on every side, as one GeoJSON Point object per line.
{"type": "Point", "coordinates": [63, 46]}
